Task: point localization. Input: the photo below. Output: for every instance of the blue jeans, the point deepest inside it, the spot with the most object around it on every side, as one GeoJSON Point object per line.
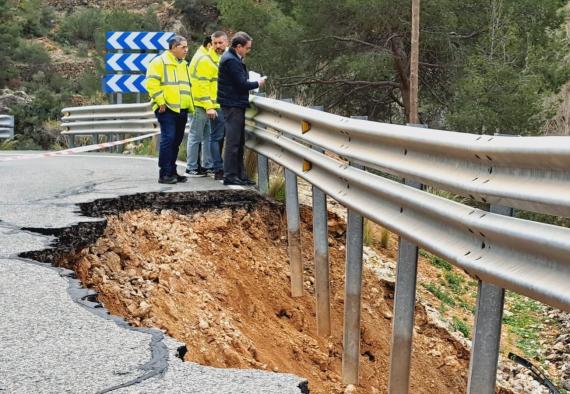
{"type": "Point", "coordinates": [199, 137]}
{"type": "Point", "coordinates": [217, 140]}
{"type": "Point", "coordinates": [172, 125]}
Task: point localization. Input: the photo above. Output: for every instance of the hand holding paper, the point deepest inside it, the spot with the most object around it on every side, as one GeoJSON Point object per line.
{"type": "Point", "coordinates": [256, 77]}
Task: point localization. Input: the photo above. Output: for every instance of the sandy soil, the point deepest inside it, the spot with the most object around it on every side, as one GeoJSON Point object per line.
{"type": "Point", "coordinates": [218, 281]}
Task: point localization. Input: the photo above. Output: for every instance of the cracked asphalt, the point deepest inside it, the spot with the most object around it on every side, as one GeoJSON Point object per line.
{"type": "Point", "coordinates": [53, 339]}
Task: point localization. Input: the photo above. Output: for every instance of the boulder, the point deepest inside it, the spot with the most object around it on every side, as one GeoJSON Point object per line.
{"type": "Point", "coordinates": [10, 99]}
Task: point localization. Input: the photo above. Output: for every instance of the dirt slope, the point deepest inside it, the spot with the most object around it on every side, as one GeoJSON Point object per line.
{"type": "Point", "coordinates": [218, 281]}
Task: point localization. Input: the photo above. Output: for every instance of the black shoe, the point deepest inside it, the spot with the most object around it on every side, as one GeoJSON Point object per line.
{"type": "Point", "coordinates": [196, 173]}
{"type": "Point", "coordinates": [169, 180]}
{"type": "Point", "coordinates": [181, 178]}
{"type": "Point", "coordinates": [234, 181]}
{"type": "Point", "coordinates": [248, 182]}
{"type": "Point", "coordinates": [219, 175]}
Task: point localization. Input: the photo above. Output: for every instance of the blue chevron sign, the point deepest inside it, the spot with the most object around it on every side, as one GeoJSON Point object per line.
{"type": "Point", "coordinates": [128, 61]}
{"type": "Point", "coordinates": [124, 83]}
{"type": "Point", "coordinates": [138, 40]}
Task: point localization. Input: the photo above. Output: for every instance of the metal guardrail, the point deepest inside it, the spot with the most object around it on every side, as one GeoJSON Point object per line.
{"type": "Point", "coordinates": [114, 121]}
{"type": "Point", "coordinates": [531, 173]}
{"type": "Point", "coordinates": [471, 238]}
{"type": "Point", "coordinates": [6, 126]}
{"type": "Point", "coordinates": [109, 119]}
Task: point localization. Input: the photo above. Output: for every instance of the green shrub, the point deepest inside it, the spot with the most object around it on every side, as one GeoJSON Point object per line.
{"type": "Point", "coordinates": [82, 25]}
{"type": "Point", "coordinates": [123, 20]}
{"type": "Point", "coordinates": [467, 306]}
{"type": "Point", "coordinates": [31, 53]}
{"type": "Point", "coordinates": [250, 164]}
{"type": "Point", "coordinates": [436, 261]}
{"type": "Point", "coordinates": [89, 84]}
{"type": "Point", "coordinates": [277, 188]}
{"type": "Point", "coordinates": [525, 320]}
{"type": "Point", "coordinates": [440, 293]}
{"type": "Point", "coordinates": [441, 263]}
{"type": "Point", "coordinates": [91, 24]}
{"type": "Point", "coordinates": [454, 282]}
{"type": "Point", "coordinates": [9, 144]}
{"type": "Point", "coordinates": [146, 148]}
{"type": "Point", "coordinates": [182, 152]}
{"type": "Point", "coordinates": [461, 326]}
{"type": "Point", "coordinates": [35, 18]}
{"type": "Point", "coordinates": [367, 233]}
{"type": "Point", "coordinates": [199, 15]}
{"type": "Point", "coordinates": [385, 238]}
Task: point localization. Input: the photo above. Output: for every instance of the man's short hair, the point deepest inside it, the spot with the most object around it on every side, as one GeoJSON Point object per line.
{"type": "Point", "coordinates": [240, 38]}
{"type": "Point", "coordinates": [207, 41]}
{"type": "Point", "coordinates": [176, 41]}
{"type": "Point", "coordinates": [218, 34]}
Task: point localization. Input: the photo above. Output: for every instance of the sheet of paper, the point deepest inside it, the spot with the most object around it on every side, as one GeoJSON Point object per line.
{"type": "Point", "coordinates": [255, 77]}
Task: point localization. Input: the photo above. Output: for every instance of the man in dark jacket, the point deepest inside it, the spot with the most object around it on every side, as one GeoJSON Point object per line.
{"type": "Point", "coordinates": [233, 97]}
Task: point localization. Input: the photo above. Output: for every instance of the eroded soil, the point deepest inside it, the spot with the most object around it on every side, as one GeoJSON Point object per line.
{"type": "Point", "coordinates": [219, 282]}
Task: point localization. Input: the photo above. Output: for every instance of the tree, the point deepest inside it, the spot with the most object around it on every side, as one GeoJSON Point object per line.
{"type": "Point", "coordinates": [9, 33]}
{"type": "Point", "coordinates": [353, 56]}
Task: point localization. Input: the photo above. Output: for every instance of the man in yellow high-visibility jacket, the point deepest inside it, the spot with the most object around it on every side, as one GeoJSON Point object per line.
{"type": "Point", "coordinates": [169, 88]}
{"type": "Point", "coordinates": [207, 129]}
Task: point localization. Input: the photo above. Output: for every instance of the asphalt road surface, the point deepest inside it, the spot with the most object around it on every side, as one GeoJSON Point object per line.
{"type": "Point", "coordinates": [53, 339]}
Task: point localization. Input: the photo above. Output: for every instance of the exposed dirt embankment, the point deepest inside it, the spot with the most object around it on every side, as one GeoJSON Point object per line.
{"type": "Point", "coordinates": [218, 281]}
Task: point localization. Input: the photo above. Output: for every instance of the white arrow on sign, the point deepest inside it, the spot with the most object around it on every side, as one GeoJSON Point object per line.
{"type": "Point", "coordinates": [164, 40]}
{"type": "Point", "coordinates": [112, 83]}
{"type": "Point", "coordinates": [146, 39]}
{"type": "Point", "coordinates": [130, 62]}
{"type": "Point", "coordinates": [129, 83]}
{"type": "Point", "coordinates": [113, 39]}
{"type": "Point", "coordinates": [130, 41]}
{"type": "Point", "coordinates": [112, 62]}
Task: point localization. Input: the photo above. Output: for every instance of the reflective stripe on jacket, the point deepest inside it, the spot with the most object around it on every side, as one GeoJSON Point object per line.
{"type": "Point", "coordinates": [204, 78]}
{"type": "Point", "coordinates": [168, 82]}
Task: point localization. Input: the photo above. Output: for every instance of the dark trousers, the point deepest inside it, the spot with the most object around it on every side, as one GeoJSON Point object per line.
{"type": "Point", "coordinates": [217, 141]}
{"type": "Point", "coordinates": [172, 126]}
{"type": "Point", "coordinates": [235, 141]}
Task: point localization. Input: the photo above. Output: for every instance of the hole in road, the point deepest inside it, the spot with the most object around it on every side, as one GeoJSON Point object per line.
{"type": "Point", "coordinates": [212, 271]}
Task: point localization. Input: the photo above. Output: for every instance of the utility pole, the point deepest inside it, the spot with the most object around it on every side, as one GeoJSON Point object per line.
{"type": "Point", "coordinates": [414, 62]}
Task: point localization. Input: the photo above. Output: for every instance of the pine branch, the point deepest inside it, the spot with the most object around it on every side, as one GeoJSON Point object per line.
{"type": "Point", "coordinates": [315, 81]}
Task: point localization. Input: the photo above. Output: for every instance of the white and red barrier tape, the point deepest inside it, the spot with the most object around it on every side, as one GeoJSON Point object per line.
{"type": "Point", "coordinates": [80, 149]}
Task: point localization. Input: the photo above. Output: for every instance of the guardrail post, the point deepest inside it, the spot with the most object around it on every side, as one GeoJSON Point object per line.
{"type": "Point", "coordinates": [262, 174]}
{"type": "Point", "coordinates": [121, 148]}
{"type": "Point", "coordinates": [352, 297]}
{"type": "Point", "coordinates": [404, 308]}
{"type": "Point", "coordinates": [404, 311]}
{"type": "Point", "coordinates": [95, 138]}
{"type": "Point", "coordinates": [321, 256]}
{"type": "Point", "coordinates": [294, 233]}
{"type": "Point", "coordinates": [487, 333]}
{"type": "Point", "coordinates": [156, 142]}
{"type": "Point", "coordinates": [71, 140]}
